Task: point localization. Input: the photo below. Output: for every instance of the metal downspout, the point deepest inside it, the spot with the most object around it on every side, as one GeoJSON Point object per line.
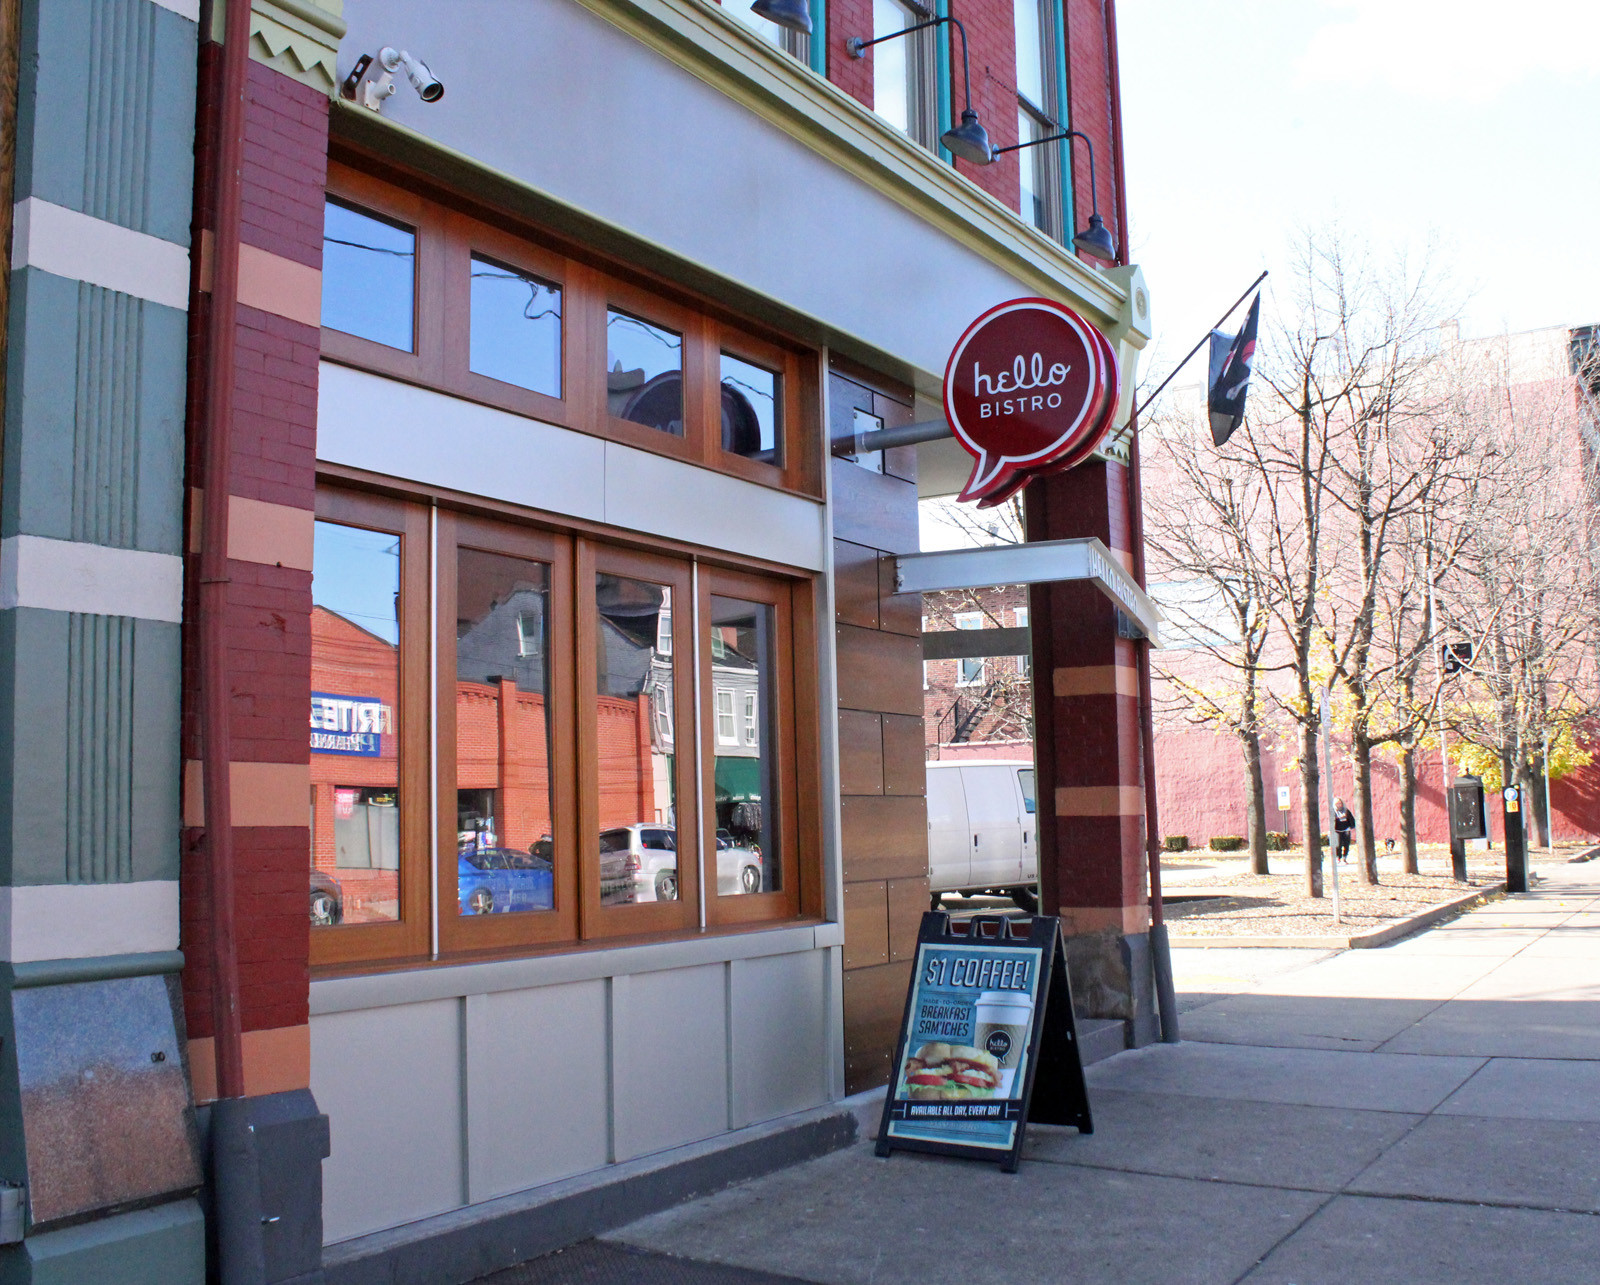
{"type": "Point", "coordinates": [1160, 947]}
{"type": "Point", "coordinates": [235, 1176]}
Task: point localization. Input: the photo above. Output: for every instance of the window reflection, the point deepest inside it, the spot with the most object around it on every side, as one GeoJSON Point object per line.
{"type": "Point", "coordinates": [751, 411]}
{"type": "Point", "coordinates": [644, 379]}
{"type": "Point", "coordinates": [742, 665]}
{"type": "Point", "coordinates": [636, 746]}
{"type": "Point", "coordinates": [355, 717]}
{"type": "Point", "coordinates": [504, 828]}
{"type": "Point", "coordinates": [515, 328]}
{"type": "Point", "coordinates": [368, 276]}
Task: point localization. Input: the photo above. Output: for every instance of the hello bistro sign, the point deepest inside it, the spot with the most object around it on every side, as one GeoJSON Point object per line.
{"type": "Point", "coordinates": [1030, 388]}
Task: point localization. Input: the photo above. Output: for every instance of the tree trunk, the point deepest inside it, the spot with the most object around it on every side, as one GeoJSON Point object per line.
{"type": "Point", "coordinates": [1408, 806]}
{"type": "Point", "coordinates": [1361, 752]}
{"type": "Point", "coordinates": [1311, 810]}
{"type": "Point", "coordinates": [1537, 809]}
{"type": "Point", "coordinates": [1258, 804]}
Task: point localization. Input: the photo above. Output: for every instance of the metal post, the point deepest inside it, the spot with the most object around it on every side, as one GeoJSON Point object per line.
{"type": "Point", "coordinates": [1458, 847]}
{"type": "Point", "coordinates": [1511, 812]}
{"type": "Point", "coordinates": [1327, 779]}
{"type": "Point", "coordinates": [1549, 816]}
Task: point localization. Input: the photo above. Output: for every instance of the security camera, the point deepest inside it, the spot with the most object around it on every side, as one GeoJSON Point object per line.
{"type": "Point", "coordinates": [428, 86]}
{"type": "Point", "coordinates": [371, 80]}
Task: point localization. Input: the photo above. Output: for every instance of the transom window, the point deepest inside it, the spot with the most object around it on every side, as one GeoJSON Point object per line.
{"type": "Point", "coordinates": [529, 791]}
{"type": "Point", "coordinates": [417, 290]}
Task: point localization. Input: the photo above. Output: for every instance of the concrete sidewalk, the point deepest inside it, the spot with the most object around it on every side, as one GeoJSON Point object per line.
{"type": "Point", "coordinates": [1423, 1112]}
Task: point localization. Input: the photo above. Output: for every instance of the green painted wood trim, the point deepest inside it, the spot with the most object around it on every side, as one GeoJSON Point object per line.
{"type": "Point", "coordinates": [942, 73]}
{"type": "Point", "coordinates": [717, 49]}
{"type": "Point", "coordinates": [819, 37]}
{"type": "Point", "coordinates": [99, 968]}
{"type": "Point", "coordinates": [1069, 217]}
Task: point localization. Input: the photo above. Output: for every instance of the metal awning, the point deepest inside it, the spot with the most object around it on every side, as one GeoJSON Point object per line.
{"type": "Point", "coordinates": [1046, 562]}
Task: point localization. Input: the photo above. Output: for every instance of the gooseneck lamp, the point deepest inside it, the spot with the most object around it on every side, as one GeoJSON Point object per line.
{"type": "Point", "coordinates": [1094, 239]}
{"type": "Point", "coordinates": [793, 14]}
{"type": "Point", "coordinates": [968, 140]}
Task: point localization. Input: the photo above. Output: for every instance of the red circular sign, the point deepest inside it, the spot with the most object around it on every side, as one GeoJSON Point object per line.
{"type": "Point", "coordinates": [1030, 388]}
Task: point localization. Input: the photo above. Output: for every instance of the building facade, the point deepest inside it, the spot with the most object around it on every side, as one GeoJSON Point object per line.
{"type": "Point", "coordinates": [532, 636]}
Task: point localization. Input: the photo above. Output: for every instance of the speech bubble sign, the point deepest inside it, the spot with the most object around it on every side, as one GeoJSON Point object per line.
{"type": "Point", "coordinates": [1030, 388]}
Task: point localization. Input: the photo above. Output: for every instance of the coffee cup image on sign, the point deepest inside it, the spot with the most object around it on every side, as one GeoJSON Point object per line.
{"type": "Point", "coordinates": [1001, 1022]}
{"type": "Point", "coordinates": [949, 1073]}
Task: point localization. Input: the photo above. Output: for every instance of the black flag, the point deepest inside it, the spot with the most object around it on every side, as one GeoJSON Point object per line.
{"type": "Point", "coordinates": [1230, 375]}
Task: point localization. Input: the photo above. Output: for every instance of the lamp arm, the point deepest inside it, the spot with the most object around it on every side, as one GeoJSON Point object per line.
{"type": "Point", "coordinates": [1094, 187]}
{"type": "Point", "coordinates": [858, 47]}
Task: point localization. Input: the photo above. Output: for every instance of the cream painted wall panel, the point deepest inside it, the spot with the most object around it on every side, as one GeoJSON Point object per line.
{"type": "Point", "coordinates": [389, 1080]}
{"type": "Point", "coordinates": [80, 920]}
{"type": "Point", "coordinates": [368, 422]}
{"type": "Point", "coordinates": [779, 1035]}
{"type": "Point", "coordinates": [536, 1086]}
{"type": "Point", "coordinates": [688, 503]}
{"type": "Point", "coordinates": [365, 421]}
{"type": "Point", "coordinates": [669, 1041]}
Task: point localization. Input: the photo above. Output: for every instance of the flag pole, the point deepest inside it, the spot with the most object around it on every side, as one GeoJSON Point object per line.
{"type": "Point", "coordinates": [1233, 309]}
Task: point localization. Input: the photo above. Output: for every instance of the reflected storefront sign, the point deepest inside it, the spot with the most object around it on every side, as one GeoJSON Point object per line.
{"type": "Point", "coordinates": [349, 724]}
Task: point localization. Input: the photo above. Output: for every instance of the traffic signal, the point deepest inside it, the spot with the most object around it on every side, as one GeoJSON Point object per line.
{"type": "Point", "coordinates": [1457, 656]}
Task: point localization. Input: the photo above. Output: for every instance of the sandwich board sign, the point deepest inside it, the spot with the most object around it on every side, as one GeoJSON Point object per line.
{"type": "Point", "coordinates": [988, 1042]}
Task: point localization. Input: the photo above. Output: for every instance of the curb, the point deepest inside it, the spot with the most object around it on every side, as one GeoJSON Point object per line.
{"type": "Point", "coordinates": [1355, 941]}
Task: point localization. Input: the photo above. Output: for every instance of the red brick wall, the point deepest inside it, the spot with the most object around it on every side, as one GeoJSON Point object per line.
{"type": "Point", "coordinates": [992, 39]}
{"type": "Point", "coordinates": [1090, 110]}
{"type": "Point", "coordinates": [848, 18]}
{"type": "Point", "coordinates": [269, 607]}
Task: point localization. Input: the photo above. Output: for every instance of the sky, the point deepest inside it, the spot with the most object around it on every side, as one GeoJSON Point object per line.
{"type": "Point", "coordinates": [1469, 125]}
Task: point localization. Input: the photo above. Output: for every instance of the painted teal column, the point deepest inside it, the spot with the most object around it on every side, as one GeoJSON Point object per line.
{"type": "Point", "coordinates": [91, 530]}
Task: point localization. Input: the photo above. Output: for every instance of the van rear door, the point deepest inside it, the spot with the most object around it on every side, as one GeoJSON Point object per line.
{"type": "Point", "coordinates": [949, 844]}
{"type": "Point", "coordinates": [993, 811]}
{"type": "Point", "coordinates": [1030, 830]}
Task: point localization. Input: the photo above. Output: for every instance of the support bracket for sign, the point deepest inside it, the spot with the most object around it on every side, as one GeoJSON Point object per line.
{"type": "Point", "coordinates": [1037, 562]}
{"type": "Point", "coordinates": [988, 1042]}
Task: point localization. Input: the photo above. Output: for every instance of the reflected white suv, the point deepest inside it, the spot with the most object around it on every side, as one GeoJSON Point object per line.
{"type": "Point", "coordinates": [639, 862]}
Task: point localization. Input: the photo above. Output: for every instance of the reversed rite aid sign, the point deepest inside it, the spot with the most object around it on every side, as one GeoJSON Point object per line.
{"type": "Point", "coordinates": [1030, 388]}
{"type": "Point", "coordinates": [349, 724]}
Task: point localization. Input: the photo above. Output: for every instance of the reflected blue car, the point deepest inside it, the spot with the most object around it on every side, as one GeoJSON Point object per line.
{"type": "Point", "coordinates": [503, 880]}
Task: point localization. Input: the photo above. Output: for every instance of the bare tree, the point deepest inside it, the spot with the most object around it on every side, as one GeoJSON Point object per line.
{"type": "Point", "coordinates": [1204, 540]}
{"type": "Point", "coordinates": [1526, 585]}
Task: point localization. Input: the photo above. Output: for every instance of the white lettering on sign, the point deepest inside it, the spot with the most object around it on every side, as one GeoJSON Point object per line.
{"type": "Point", "coordinates": [1019, 405]}
{"type": "Point", "coordinates": [1024, 374]}
{"type": "Point", "coordinates": [341, 714]}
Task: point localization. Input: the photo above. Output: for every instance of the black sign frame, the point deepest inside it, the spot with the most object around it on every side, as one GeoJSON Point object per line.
{"type": "Point", "coordinates": [1054, 1090]}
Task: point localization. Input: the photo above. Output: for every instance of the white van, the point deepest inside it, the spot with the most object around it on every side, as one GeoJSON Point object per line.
{"type": "Point", "coordinates": [980, 830]}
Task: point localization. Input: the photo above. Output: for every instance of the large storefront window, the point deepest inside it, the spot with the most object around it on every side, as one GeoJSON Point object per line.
{"type": "Point", "coordinates": [355, 685]}
{"type": "Point", "coordinates": [572, 793]}
{"type": "Point", "coordinates": [504, 827]}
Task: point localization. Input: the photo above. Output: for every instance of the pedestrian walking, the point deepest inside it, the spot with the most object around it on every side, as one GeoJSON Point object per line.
{"type": "Point", "coordinates": [1344, 824]}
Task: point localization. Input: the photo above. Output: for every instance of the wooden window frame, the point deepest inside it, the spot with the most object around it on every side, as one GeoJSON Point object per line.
{"type": "Point", "coordinates": [460, 933]}
{"type": "Point", "coordinates": [657, 917]}
{"type": "Point", "coordinates": [425, 363]}
{"type": "Point", "coordinates": [411, 935]}
{"type": "Point", "coordinates": [619, 296]}
{"type": "Point", "coordinates": [786, 902]}
{"type": "Point", "coordinates": [448, 235]}
{"type": "Point", "coordinates": [464, 237]}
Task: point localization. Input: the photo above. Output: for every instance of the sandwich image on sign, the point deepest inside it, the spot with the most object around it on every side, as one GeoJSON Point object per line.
{"type": "Point", "coordinates": [950, 1072]}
